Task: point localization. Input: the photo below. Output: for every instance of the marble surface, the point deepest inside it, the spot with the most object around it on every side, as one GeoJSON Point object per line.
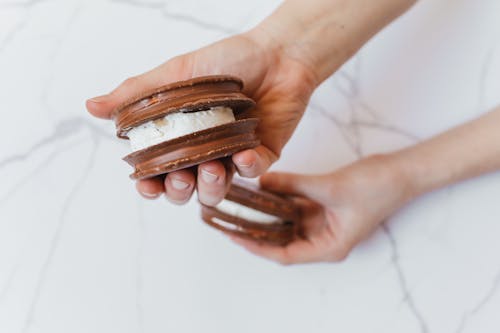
{"type": "Point", "coordinates": [80, 251]}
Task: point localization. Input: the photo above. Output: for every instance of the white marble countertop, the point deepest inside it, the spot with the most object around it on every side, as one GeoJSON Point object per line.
{"type": "Point", "coordinates": [80, 251]}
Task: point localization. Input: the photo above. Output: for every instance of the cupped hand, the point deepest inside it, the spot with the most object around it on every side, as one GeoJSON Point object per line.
{"type": "Point", "coordinates": [280, 85]}
{"type": "Point", "coordinates": [338, 210]}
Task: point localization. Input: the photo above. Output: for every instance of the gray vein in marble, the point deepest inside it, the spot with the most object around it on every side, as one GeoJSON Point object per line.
{"type": "Point", "coordinates": [353, 91]}
{"type": "Point", "coordinates": [357, 108]}
{"type": "Point", "coordinates": [19, 26]}
{"type": "Point", "coordinates": [341, 126]}
{"type": "Point", "coordinates": [353, 140]}
{"type": "Point", "coordinates": [54, 243]}
{"type": "Point", "coordinates": [483, 76]}
{"type": "Point", "coordinates": [36, 171]}
{"type": "Point", "coordinates": [11, 35]}
{"type": "Point", "coordinates": [481, 304]}
{"type": "Point", "coordinates": [387, 128]}
{"type": "Point", "coordinates": [10, 279]}
{"type": "Point", "coordinates": [62, 130]}
{"type": "Point", "coordinates": [53, 57]}
{"type": "Point", "coordinates": [407, 297]}
{"type": "Point", "coordinates": [350, 130]}
{"type": "Point", "coordinates": [161, 6]}
{"type": "Point", "coordinates": [495, 285]}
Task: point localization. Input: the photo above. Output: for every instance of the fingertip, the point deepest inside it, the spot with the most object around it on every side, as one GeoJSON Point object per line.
{"type": "Point", "coordinates": [179, 186]}
{"type": "Point", "coordinates": [212, 172]}
{"type": "Point", "coordinates": [150, 188]}
{"type": "Point", "coordinates": [245, 158]}
{"type": "Point", "coordinates": [99, 107]}
{"type": "Point", "coordinates": [247, 163]}
{"type": "Point", "coordinates": [253, 162]}
{"type": "Point", "coordinates": [268, 179]}
{"type": "Point", "coordinates": [211, 182]}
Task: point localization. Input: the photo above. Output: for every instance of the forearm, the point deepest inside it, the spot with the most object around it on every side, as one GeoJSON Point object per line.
{"type": "Point", "coordinates": [461, 153]}
{"type": "Point", "coordinates": [323, 34]}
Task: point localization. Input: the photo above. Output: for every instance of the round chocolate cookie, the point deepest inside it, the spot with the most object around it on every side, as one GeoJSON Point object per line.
{"type": "Point", "coordinates": [250, 212]}
{"type": "Point", "coordinates": [186, 123]}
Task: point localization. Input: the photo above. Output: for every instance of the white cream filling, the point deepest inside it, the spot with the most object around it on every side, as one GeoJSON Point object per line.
{"type": "Point", "coordinates": [177, 124]}
{"type": "Point", "coordinates": [246, 213]}
{"type": "Point", "coordinates": [227, 225]}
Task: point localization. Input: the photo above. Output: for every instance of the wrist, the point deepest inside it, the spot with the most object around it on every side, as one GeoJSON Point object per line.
{"type": "Point", "coordinates": [403, 175]}
{"type": "Point", "coordinates": [413, 171]}
{"type": "Point", "coordinates": [274, 49]}
{"type": "Point", "coordinates": [293, 36]}
{"type": "Point", "coordinates": [324, 34]}
{"type": "Point", "coordinates": [461, 153]}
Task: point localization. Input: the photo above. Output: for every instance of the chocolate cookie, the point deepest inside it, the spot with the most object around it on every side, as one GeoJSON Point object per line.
{"type": "Point", "coordinates": [250, 212]}
{"type": "Point", "coordinates": [186, 123]}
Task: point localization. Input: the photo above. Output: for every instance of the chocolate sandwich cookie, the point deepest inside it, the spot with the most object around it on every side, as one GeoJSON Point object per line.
{"type": "Point", "coordinates": [186, 123]}
{"type": "Point", "coordinates": [250, 212]}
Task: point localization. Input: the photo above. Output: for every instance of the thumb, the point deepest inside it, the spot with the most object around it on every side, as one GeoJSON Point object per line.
{"type": "Point", "coordinates": [314, 187]}
{"type": "Point", "coordinates": [175, 69]}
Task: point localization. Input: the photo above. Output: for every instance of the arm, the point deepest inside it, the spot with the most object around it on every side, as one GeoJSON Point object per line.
{"type": "Point", "coordinates": [345, 206]}
{"type": "Point", "coordinates": [325, 33]}
{"type": "Point", "coordinates": [461, 153]}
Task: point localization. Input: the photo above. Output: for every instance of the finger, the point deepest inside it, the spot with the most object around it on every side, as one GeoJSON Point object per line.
{"type": "Point", "coordinates": [299, 251]}
{"type": "Point", "coordinates": [254, 162]}
{"type": "Point", "coordinates": [211, 182]}
{"type": "Point", "coordinates": [317, 188]}
{"type": "Point", "coordinates": [150, 188]}
{"type": "Point", "coordinates": [179, 186]}
{"type": "Point", "coordinates": [173, 70]}
{"type": "Point", "coordinates": [230, 170]}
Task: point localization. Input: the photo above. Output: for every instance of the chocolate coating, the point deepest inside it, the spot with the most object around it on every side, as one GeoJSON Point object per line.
{"type": "Point", "coordinates": [196, 94]}
{"type": "Point", "coordinates": [279, 233]}
{"type": "Point", "coordinates": [193, 149]}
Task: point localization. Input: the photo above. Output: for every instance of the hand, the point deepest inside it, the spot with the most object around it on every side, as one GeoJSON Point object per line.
{"type": "Point", "coordinates": [281, 86]}
{"type": "Point", "coordinates": [338, 209]}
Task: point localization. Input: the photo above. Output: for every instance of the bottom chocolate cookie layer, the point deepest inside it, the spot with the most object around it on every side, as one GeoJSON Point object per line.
{"type": "Point", "coordinates": [280, 233]}
{"type": "Point", "coordinates": [189, 150]}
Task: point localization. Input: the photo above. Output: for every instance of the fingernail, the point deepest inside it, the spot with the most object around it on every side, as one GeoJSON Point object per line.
{"type": "Point", "coordinates": [179, 184]}
{"type": "Point", "coordinates": [243, 165]}
{"type": "Point", "coordinates": [208, 177]}
{"type": "Point", "coordinates": [150, 195]}
{"type": "Point", "coordinates": [98, 99]}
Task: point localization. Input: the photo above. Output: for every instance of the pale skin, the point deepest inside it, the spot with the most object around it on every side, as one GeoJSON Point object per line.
{"type": "Point", "coordinates": [291, 52]}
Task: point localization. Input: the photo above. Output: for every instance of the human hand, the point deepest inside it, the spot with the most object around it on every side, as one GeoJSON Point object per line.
{"type": "Point", "coordinates": [338, 209]}
{"type": "Point", "coordinates": [281, 87]}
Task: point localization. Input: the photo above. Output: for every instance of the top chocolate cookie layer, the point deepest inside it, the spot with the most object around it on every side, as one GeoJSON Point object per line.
{"type": "Point", "coordinates": [191, 95]}
{"type": "Point", "coordinates": [252, 196]}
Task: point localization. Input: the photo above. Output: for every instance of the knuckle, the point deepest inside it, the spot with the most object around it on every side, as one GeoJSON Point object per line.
{"type": "Point", "coordinates": [130, 82]}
